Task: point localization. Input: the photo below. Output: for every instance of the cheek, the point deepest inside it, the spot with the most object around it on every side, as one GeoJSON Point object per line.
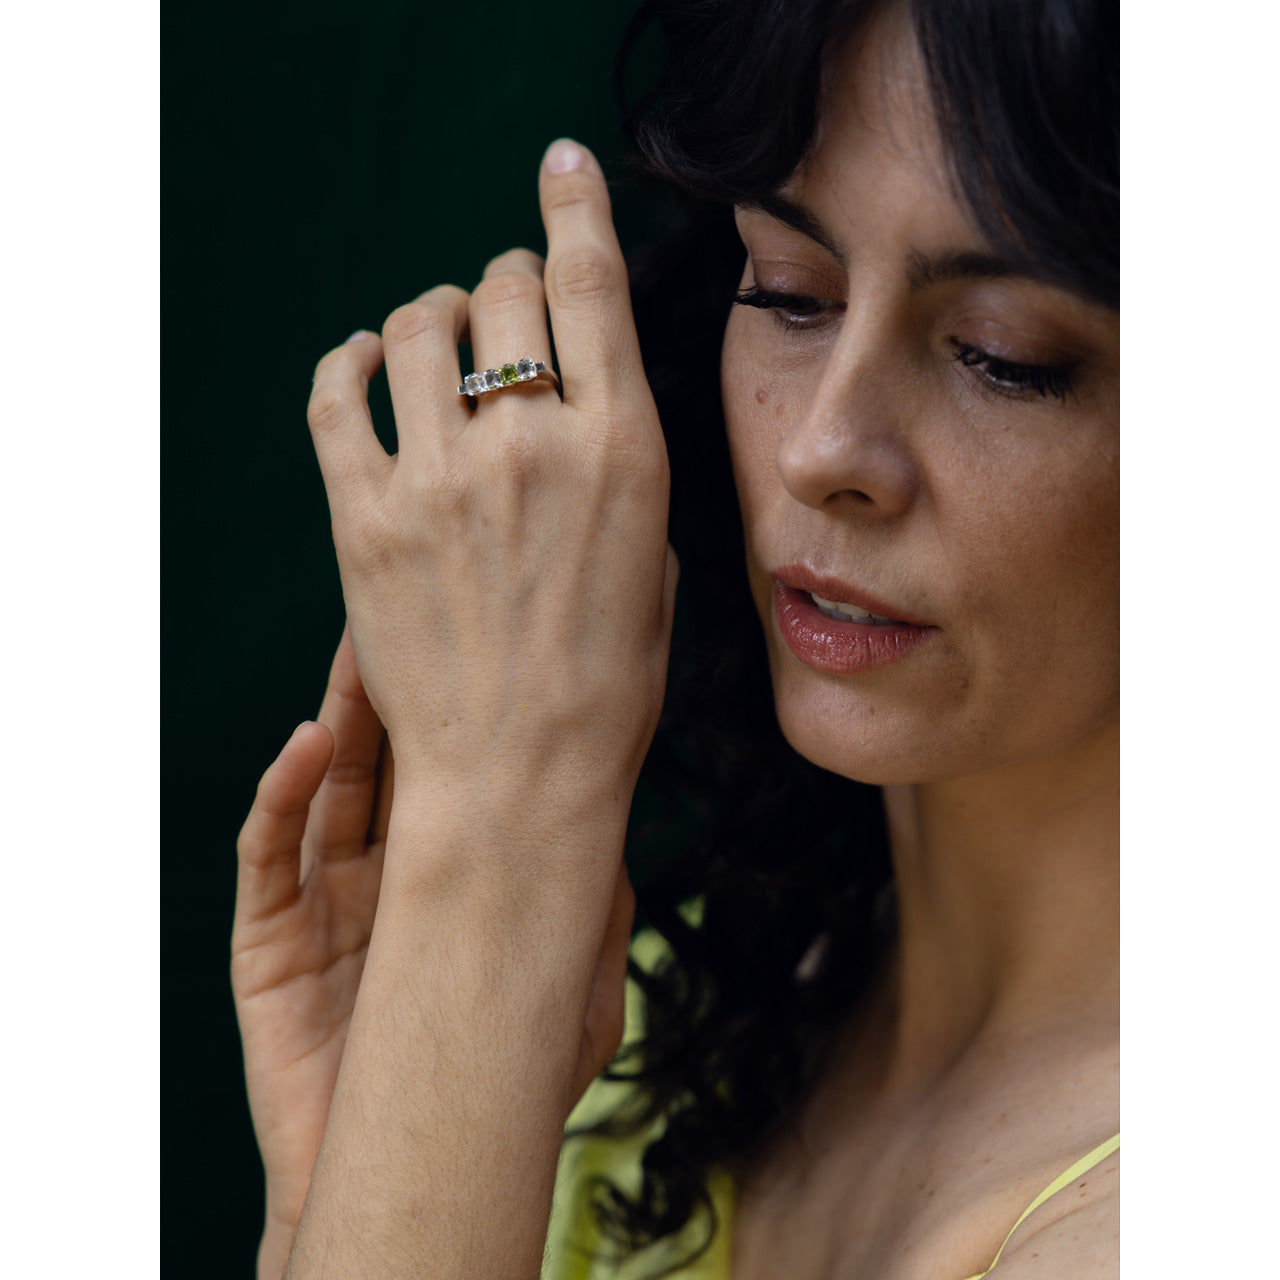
{"type": "Point", "coordinates": [756, 408]}
{"type": "Point", "coordinates": [1056, 528]}
{"type": "Point", "coordinates": [1024, 503]}
{"type": "Point", "coordinates": [1036, 579]}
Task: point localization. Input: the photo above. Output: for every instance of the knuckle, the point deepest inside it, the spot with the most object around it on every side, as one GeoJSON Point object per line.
{"type": "Point", "coordinates": [328, 408]}
{"type": "Point", "coordinates": [624, 449]}
{"type": "Point", "coordinates": [585, 275]}
{"type": "Point", "coordinates": [515, 259]}
{"type": "Point", "coordinates": [572, 189]}
{"type": "Point", "coordinates": [415, 320]}
{"type": "Point", "coordinates": [505, 289]}
{"type": "Point", "coordinates": [516, 450]}
{"type": "Point", "coordinates": [245, 840]}
{"type": "Point", "coordinates": [252, 843]}
{"type": "Point", "coordinates": [349, 773]}
{"type": "Point", "coordinates": [328, 365]}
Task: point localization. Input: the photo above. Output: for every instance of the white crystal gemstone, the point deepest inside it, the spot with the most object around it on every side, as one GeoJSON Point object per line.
{"type": "Point", "coordinates": [526, 368]}
{"type": "Point", "coordinates": [475, 383]}
{"type": "Point", "coordinates": [492, 378]}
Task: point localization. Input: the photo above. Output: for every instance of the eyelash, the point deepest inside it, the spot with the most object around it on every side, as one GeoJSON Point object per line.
{"type": "Point", "coordinates": [1008, 378]}
{"type": "Point", "coordinates": [791, 310]}
{"type": "Point", "coordinates": [1005, 377]}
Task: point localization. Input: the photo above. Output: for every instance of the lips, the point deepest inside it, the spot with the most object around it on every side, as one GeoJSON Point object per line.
{"type": "Point", "coordinates": [832, 626]}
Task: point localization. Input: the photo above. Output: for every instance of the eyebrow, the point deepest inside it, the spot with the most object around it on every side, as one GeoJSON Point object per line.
{"type": "Point", "coordinates": [793, 214]}
{"type": "Point", "coordinates": [923, 270]}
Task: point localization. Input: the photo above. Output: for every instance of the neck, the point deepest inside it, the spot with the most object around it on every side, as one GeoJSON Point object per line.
{"type": "Point", "coordinates": [1008, 892]}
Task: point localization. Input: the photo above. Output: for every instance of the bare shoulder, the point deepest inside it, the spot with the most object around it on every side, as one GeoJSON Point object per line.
{"type": "Point", "coordinates": [1081, 1239]}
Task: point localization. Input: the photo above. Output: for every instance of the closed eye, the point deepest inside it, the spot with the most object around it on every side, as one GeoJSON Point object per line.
{"type": "Point", "coordinates": [1006, 377]}
{"type": "Point", "coordinates": [791, 310]}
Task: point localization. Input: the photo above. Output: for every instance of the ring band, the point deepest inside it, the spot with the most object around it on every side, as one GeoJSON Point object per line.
{"type": "Point", "coordinates": [523, 370]}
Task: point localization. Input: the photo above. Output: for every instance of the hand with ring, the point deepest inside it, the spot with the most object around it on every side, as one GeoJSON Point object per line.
{"type": "Point", "coordinates": [507, 576]}
{"type": "Point", "coordinates": [509, 591]}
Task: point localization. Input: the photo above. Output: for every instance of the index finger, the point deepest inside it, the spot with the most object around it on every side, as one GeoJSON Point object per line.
{"type": "Point", "coordinates": [586, 282]}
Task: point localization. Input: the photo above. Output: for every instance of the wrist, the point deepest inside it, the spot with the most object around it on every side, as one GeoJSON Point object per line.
{"type": "Point", "coordinates": [582, 761]}
{"type": "Point", "coordinates": [555, 838]}
{"type": "Point", "coordinates": [585, 777]}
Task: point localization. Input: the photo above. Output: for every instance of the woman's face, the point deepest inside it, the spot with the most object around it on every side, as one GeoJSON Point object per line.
{"type": "Point", "coordinates": [917, 435]}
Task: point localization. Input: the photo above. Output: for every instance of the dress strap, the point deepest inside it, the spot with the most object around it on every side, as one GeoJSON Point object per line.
{"type": "Point", "coordinates": [1064, 1179]}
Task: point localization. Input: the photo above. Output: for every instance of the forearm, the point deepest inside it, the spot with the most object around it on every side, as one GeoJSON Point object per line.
{"type": "Point", "coordinates": [510, 593]}
{"type": "Point", "coordinates": [440, 1151]}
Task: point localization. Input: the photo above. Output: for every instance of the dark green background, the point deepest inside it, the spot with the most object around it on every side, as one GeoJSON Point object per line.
{"type": "Point", "coordinates": [323, 163]}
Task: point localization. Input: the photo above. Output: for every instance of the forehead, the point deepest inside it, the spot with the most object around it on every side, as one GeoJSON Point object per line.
{"type": "Point", "coordinates": [877, 149]}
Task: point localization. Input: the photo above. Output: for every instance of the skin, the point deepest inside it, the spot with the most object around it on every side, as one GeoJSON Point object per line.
{"type": "Point", "coordinates": [404, 971]}
{"type": "Point", "coordinates": [864, 449]}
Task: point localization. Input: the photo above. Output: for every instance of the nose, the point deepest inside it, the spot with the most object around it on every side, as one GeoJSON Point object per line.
{"type": "Point", "coordinates": [847, 454]}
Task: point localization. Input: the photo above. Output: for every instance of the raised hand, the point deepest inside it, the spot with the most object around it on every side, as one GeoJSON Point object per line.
{"type": "Point", "coordinates": [507, 575]}
{"type": "Point", "coordinates": [509, 592]}
{"type": "Point", "coordinates": [310, 869]}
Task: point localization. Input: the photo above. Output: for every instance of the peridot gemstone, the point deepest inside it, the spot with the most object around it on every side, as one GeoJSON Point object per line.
{"type": "Point", "coordinates": [509, 375]}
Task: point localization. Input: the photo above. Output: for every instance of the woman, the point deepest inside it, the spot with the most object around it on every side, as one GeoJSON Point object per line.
{"type": "Point", "coordinates": [842, 1073]}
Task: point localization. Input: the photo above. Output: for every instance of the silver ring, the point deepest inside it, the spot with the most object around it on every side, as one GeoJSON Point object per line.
{"type": "Point", "coordinates": [523, 370]}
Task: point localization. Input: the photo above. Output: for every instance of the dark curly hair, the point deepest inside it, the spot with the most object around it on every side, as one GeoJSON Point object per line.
{"type": "Point", "coordinates": [790, 864]}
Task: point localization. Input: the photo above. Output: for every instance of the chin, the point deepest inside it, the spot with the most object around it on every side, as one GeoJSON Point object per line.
{"type": "Point", "coordinates": [865, 758]}
{"type": "Point", "coordinates": [885, 742]}
{"type": "Point", "coordinates": [899, 722]}
{"type": "Point", "coordinates": [857, 737]}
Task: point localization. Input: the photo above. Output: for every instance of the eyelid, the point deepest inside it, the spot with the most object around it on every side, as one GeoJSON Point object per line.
{"type": "Point", "coordinates": [792, 310]}
{"type": "Point", "coordinates": [797, 275]}
{"type": "Point", "coordinates": [1014, 379]}
{"type": "Point", "coordinates": [1008, 330]}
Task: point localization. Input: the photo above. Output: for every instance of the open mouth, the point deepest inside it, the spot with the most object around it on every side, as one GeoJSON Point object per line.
{"type": "Point", "coordinates": [842, 612]}
{"type": "Point", "coordinates": [837, 635]}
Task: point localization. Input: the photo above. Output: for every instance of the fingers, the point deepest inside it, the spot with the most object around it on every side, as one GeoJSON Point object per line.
{"type": "Point", "coordinates": [341, 812]}
{"type": "Point", "coordinates": [421, 344]}
{"type": "Point", "coordinates": [522, 260]}
{"type": "Point", "coordinates": [509, 316]}
{"type": "Point", "coordinates": [606, 1005]}
{"type": "Point", "coordinates": [617, 939]}
{"type": "Point", "coordinates": [586, 282]}
{"type": "Point", "coordinates": [270, 843]}
{"type": "Point", "coordinates": [351, 459]}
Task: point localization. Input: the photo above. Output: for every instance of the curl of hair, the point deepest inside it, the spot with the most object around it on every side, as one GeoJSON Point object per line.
{"type": "Point", "coordinates": [790, 864]}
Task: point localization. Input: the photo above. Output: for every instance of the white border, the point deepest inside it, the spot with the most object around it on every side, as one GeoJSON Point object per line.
{"type": "Point", "coordinates": [1201, 896]}
{"type": "Point", "coordinates": [79, 88]}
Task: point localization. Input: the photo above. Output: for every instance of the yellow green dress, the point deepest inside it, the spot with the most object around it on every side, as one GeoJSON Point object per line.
{"type": "Point", "coordinates": [576, 1249]}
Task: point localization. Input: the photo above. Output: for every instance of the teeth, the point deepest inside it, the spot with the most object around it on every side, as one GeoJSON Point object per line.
{"type": "Point", "coordinates": [849, 610]}
{"type": "Point", "coordinates": [846, 612]}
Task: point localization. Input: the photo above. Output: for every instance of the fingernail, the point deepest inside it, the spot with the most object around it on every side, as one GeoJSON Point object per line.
{"type": "Point", "coordinates": [358, 335]}
{"type": "Point", "coordinates": [564, 156]}
{"type": "Point", "coordinates": [303, 725]}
